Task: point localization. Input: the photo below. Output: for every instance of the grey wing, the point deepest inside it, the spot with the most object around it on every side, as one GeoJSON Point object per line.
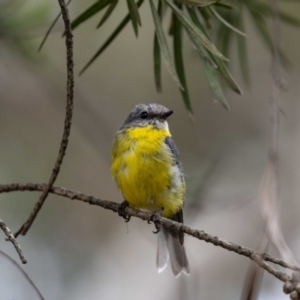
{"type": "Point", "coordinates": [171, 144]}
{"type": "Point", "coordinates": [171, 242]}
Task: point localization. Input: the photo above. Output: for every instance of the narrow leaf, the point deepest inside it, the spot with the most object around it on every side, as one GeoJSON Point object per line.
{"type": "Point", "coordinates": [156, 54]}
{"type": "Point", "coordinates": [110, 39]}
{"type": "Point", "coordinates": [50, 29]}
{"type": "Point", "coordinates": [221, 19]}
{"type": "Point", "coordinates": [107, 14]}
{"type": "Point", "coordinates": [221, 66]}
{"type": "Point", "coordinates": [289, 19]}
{"type": "Point", "coordinates": [157, 64]}
{"type": "Point", "coordinates": [171, 26]}
{"type": "Point", "coordinates": [214, 84]}
{"type": "Point", "coordinates": [224, 42]}
{"type": "Point", "coordinates": [177, 48]}
{"type": "Point", "coordinates": [243, 53]}
{"type": "Point", "coordinates": [224, 5]}
{"type": "Point", "coordinates": [197, 36]}
{"type": "Point", "coordinates": [210, 64]}
{"type": "Point", "coordinates": [199, 3]}
{"type": "Point", "coordinates": [88, 13]}
{"type": "Point", "coordinates": [134, 15]}
{"type": "Point", "coordinates": [162, 41]}
{"type": "Point", "coordinates": [228, 77]}
{"type": "Point", "coordinates": [204, 53]}
{"type": "Point", "coordinates": [206, 16]}
{"type": "Point", "coordinates": [193, 14]}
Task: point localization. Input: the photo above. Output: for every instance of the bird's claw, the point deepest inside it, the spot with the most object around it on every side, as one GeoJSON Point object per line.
{"type": "Point", "coordinates": [155, 218]}
{"type": "Point", "coordinates": [122, 211]}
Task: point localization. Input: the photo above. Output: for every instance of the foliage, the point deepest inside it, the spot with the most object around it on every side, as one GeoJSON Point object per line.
{"type": "Point", "coordinates": [19, 23]}
{"type": "Point", "coordinates": [210, 25]}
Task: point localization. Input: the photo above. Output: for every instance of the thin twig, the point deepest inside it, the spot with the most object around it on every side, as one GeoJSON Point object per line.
{"type": "Point", "coordinates": [255, 274]}
{"type": "Point", "coordinates": [12, 239]}
{"type": "Point", "coordinates": [199, 234]}
{"type": "Point", "coordinates": [23, 273]}
{"type": "Point", "coordinates": [67, 124]}
{"type": "Point", "coordinates": [259, 260]}
{"type": "Point", "coordinates": [50, 29]}
{"type": "Point", "coordinates": [269, 192]}
{"type": "Point", "coordinates": [280, 262]}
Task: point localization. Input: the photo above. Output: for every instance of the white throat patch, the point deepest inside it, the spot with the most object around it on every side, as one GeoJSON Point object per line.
{"type": "Point", "coordinates": [162, 125]}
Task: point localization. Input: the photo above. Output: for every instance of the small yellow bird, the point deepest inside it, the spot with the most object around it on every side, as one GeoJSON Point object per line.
{"type": "Point", "coordinates": [147, 170]}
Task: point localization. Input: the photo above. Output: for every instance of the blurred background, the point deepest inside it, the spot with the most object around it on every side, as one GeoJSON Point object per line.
{"type": "Point", "coordinates": [77, 251]}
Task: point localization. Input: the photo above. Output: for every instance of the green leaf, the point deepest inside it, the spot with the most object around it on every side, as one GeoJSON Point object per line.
{"type": "Point", "coordinates": [110, 38]}
{"type": "Point", "coordinates": [220, 64]}
{"type": "Point", "coordinates": [171, 26]}
{"type": "Point", "coordinates": [198, 37]}
{"type": "Point", "coordinates": [225, 37]}
{"type": "Point", "coordinates": [209, 63]}
{"type": "Point", "coordinates": [214, 84]}
{"type": "Point", "coordinates": [156, 54]}
{"type": "Point", "coordinates": [162, 41]}
{"type": "Point", "coordinates": [109, 11]}
{"type": "Point", "coordinates": [243, 52]}
{"type": "Point", "coordinates": [227, 76]}
{"type": "Point", "coordinates": [224, 5]}
{"type": "Point", "coordinates": [177, 48]}
{"type": "Point", "coordinates": [221, 19]}
{"type": "Point", "coordinates": [157, 64]}
{"type": "Point", "coordinates": [88, 13]}
{"type": "Point", "coordinates": [206, 16]}
{"type": "Point", "coordinates": [193, 14]}
{"type": "Point", "coordinates": [134, 15]}
{"type": "Point", "coordinates": [50, 29]}
{"type": "Point", "coordinates": [289, 19]}
{"type": "Point", "coordinates": [199, 3]}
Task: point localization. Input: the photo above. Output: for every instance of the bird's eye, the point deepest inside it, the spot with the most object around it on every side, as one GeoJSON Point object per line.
{"type": "Point", "coordinates": [144, 115]}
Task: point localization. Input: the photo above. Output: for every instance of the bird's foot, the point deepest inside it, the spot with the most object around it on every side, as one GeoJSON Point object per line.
{"type": "Point", "coordinates": [155, 217]}
{"type": "Point", "coordinates": [122, 211]}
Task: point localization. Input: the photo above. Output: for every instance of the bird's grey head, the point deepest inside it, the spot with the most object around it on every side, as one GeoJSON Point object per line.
{"type": "Point", "coordinates": [148, 114]}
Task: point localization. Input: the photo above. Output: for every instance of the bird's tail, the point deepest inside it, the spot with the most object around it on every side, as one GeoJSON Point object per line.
{"type": "Point", "coordinates": [171, 246]}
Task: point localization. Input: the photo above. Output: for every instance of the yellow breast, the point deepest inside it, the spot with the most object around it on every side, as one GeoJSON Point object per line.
{"type": "Point", "coordinates": [145, 170]}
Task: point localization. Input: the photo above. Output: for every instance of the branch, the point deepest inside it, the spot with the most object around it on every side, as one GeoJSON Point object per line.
{"type": "Point", "coordinates": [269, 192]}
{"type": "Point", "coordinates": [262, 263]}
{"type": "Point", "coordinates": [292, 284]}
{"type": "Point", "coordinates": [259, 258]}
{"type": "Point", "coordinates": [13, 240]}
{"type": "Point", "coordinates": [24, 274]}
{"type": "Point", "coordinates": [50, 29]}
{"type": "Point", "coordinates": [67, 125]}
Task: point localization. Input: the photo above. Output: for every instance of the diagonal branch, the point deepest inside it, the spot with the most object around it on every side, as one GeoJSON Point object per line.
{"type": "Point", "coordinates": [13, 240]}
{"type": "Point", "coordinates": [23, 273]}
{"type": "Point", "coordinates": [50, 29]}
{"type": "Point", "coordinates": [259, 258]}
{"type": "Point", "coordinates": [270, 183]}
{"type": "Point", "coordinates": [262, 263]}
{"type": "Point", "coordinates": [67, 125]}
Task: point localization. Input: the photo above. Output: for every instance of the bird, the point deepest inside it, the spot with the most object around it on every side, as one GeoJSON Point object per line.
{"type": "Point", "coordinates": [148, 173]}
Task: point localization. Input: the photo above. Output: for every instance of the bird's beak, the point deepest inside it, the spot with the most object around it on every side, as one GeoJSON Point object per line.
{"type": "Point", "coordinates": [166, 114]}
